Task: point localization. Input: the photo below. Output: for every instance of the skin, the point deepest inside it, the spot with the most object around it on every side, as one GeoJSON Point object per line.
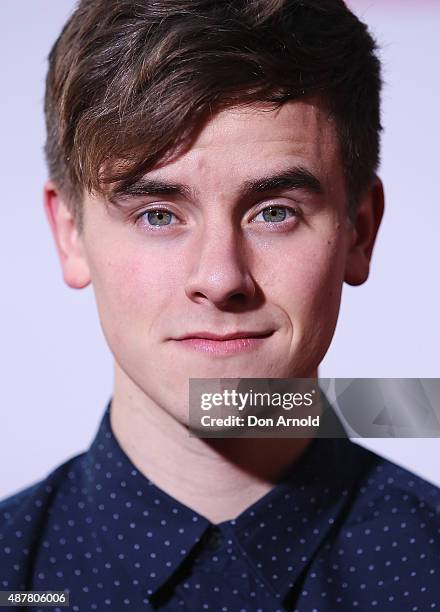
{"type": "Point", "coordinates": [220, 267]}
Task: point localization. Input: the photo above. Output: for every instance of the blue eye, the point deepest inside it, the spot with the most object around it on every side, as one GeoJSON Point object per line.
{"type": "Point", "coordinates": [159, 217]}
{"type": "Point", "coordinates": [275, 214]}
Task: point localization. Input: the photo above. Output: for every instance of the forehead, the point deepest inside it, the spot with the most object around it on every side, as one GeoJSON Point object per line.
{"type": "Point", "coordinates": [245, 142]}
{"type": "Point", "coordinates": [244, 145]}
{"type": "Point", "coordinates": [294, 122]}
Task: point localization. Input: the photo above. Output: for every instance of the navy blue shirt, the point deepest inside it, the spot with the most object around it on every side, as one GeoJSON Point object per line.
{"type": "Point", "coordinates": [345, 530]}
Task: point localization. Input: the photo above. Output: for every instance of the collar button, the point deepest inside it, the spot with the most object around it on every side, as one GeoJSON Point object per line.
{"type": "Point", "coordinates": [214, 539]}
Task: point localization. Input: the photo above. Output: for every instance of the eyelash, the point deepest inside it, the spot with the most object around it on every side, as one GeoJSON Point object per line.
{"type": "Point", "coordinates": [294, 212]}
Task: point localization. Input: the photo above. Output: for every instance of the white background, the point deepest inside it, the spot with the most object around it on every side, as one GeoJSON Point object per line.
{"type": "Point", "coordinates": [56, 370]}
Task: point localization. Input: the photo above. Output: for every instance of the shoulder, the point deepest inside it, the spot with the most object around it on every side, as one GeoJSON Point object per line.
{"type": "Point", "coordinates": [394, 508]}
{"type": "Point", "coordinates": [384, 544]}
{"type": "Point", "coordinates": [22, 518]}
{"type": "Point", "coordinates": [374, 487]}
{"type": "Point", "coordinates": [386, 480]}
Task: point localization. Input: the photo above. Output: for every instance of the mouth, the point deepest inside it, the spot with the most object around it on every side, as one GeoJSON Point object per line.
{"type": "Point", "coordinates": [224, 344]}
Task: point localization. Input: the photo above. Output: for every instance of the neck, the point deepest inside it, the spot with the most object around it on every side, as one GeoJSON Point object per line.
{"type": "Point", "coordinates": [217, 478]}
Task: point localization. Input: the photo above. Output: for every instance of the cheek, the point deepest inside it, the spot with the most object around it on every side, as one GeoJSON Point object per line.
{"type": "Point", "coordinates": [306, 283]}
{"type": "Point", "coordinates": [133, 288]}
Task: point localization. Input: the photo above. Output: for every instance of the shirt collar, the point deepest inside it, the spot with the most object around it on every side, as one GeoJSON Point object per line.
{"type": "Point", "coordinates": [124, 506]}
{"type": "Point", "coordinates": [302, 511]}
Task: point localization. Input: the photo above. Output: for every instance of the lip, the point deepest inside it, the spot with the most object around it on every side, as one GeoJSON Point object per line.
{"type": "Point", "coordinates": [223, 337]}
{"type": "Point", "coordinates": [224, 344]}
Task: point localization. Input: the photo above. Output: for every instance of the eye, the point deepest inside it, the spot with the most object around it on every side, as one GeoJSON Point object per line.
{"type": "Point", "coordinates": [275, 214]}
{"type": "Point", "coordinates": [156, 217]}
{"type": "Point", "coordinates": [159, 217]}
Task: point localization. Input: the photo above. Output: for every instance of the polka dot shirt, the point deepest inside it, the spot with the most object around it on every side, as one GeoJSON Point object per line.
{"type": "Point", "coordinates": [345, 530]}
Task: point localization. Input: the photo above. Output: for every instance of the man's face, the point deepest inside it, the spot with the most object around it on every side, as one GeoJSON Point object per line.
{"type": "Point", "coordinates": [246, 233]}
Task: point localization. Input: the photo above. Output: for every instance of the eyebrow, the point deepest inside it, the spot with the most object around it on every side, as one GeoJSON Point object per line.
{"type": "Point", "coordinates": [292, 178]}
{"type": "Point", "coordinates": [146, 186]}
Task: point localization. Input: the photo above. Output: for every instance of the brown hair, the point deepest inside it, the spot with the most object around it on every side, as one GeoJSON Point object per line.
{"type": "Point", "coordinates": [130, 81]}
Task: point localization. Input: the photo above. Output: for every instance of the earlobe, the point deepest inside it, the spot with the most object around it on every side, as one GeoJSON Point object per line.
{"type": "Point", "coordinates": [364, 232]}
{"type": "Point", "coordinates": [68, 241]}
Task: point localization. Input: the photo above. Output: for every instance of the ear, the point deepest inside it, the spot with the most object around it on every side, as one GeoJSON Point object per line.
{"type": "Point", "coordinates": [68, 241]}
{"type": "Point", "coordinates": [363, 234]}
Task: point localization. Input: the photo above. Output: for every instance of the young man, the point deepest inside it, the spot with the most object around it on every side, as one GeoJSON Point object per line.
{"type": "Point", "coordinates": [213, 175]}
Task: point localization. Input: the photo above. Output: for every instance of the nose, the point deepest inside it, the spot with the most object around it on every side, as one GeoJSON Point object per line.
{"type": "Point", "coordinates": [220, 273]}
